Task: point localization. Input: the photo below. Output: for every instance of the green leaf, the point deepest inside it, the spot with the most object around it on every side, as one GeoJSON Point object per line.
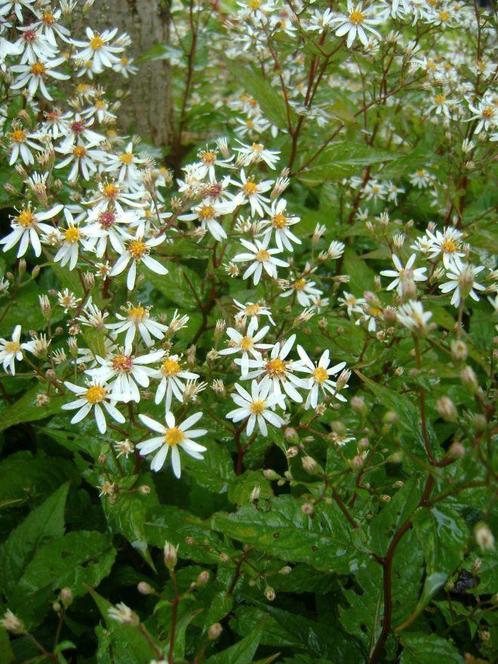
{"type": "Point", "coordinates": [27, 410]}
{"type": "Point", "coordinates": [121, 643]}
{"type": "Point", "coordinates": [284, 531]}
{"type": "Point", "coordinates": [179, 285]}
{"type": "Point", "coordinates": [43, 524]}
{"type": "Point", "coordinates": [25, 301]}
{"type": "Point", "coordinates": [342, 160]}
{"type": "Point", "coordinates": [270, 101]}
{"type": "Point", "coordinates": [78, 560]}
{"type": "Point", "coordinates": [443, 535]}
{"type": "Point", "coordinates": [427, 649]}
{"type": "Point", "coordinates": [6, 654]}
{"type": "Point", "coordinates": [241, 653]}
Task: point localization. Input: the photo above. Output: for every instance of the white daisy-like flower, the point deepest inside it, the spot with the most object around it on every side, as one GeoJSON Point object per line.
{"type": "Point", "coordinates": [448, 245]}
{"type": "Point", "coordinates": [248, 343]}
{"type": "Point", "coordinates": [172, 436]}
{"type": "Point", "coordinates": [357, 22]}
{"type": "Point", "coordinates": [260, 257]}
{"type": "Point", "coordinates": [26, 227]}
{"type": "Point", "coordinates": [462, 282]}
{"type": "Point", "coordinates": [404, 275]}
{"type": "Point", "coordinates": [305, 291]}
{"type": "Point", "coordinates": [138, 320]}
{"type": "Point", "coordinates": [95, 395]}
{"type": "Point", "coordinates": [278, 372]}
{"type": "Point", "coordinates": [257, 407]}
{"type": "Point", "coordinates": [83, 160]}
{"type": "Point", "coordinates": [255, 153]}
{"type": "Point", "coordinates": [71, 237]}
{"type": "Point", "coordinates": [421, 178]}
{"type": "Point", "coordinates": [125, 372]}
{"type": "Point", "coordinates": [412, 316]}
{"type": "Point", "coordinates": [137, 251]}
{"type": "Point", "coordinates": [21, 143]}
{"type": "Point", "coordinates": [98, 49]}
{"type": "Point", "coordinates": [208, 212]}
{"type": "Point", "coordinates": [252, 312]}
{"type": "Point", "coordinates": [486, 114]}
{"type": "Point", "coordinates": [208, 160]}
{"type": "Point", "coordinates": [352, 303]}
{"type": "Point", "coordinates": [125, 166]}
{"type": "Point", "coordinates": [172, 376]}
{"type": "Point", "coordinates": [320, 374]}
{"type": "Point", "coordinates": [279, 224]}
{"type": "Point", "coordinates": [253, 191]}
{"type": "Point", "coordinates": [34, 76]}
{"type": "Point", "coordinates": [11, 350]}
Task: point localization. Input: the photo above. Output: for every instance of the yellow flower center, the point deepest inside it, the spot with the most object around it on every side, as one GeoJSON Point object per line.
{"type": "Point", "coordinates": [252, 309]}
{"type": "Point", "coordinates": [124, 60]}
{"type": "Point", "coordinates": [439, 99]}
{"type": "Point", "coordinates": [137, 313]}
{"type": "Point", "coordinates": [279, 221]}
{"type": "Point", "coordinates": [12, 347]}
{"type": "Point", "coordinates": [257, 407]}
{"type": "Point", "coordinates": [374, 310]}
{"type": "Point", "coordinates": [246, 343]}
{"type": "Point", "coordinates": [110, 190]}
{"type": "Point", "coordinates": [250, 188]}
{"type": "Point", "coordinates": [18, 136]}
{"type": "Point", "coordinates": [444, 15]}
{"type": "Point", "coordinates": [257, 147]}
{"type": "Point", "coordinates": [320, 375]}
{"type": "Point", "coordinates": [138, 249]}
{"type": "Point", "coordinates": [206, 212]}
{"type": "Point", "coordinates": [449, 246]}
{"type": "Point", "coordinates": [174, 436]}
{"type": "Point", "coordinates": [72, 234]}
{"type": "Point", "coordinates": [263, 255]}
{"type": "Point", "coordinates": [249, 123]}
{"type": "Point", "coordinates": [208, 157]}
{"type": "Point", "coordinates": [26, 218]}
{"type": "Point", "coordinates": [38, 69]}
{"type": "Point", "coordinates": [100, 103]}
{"type": "Point", "coordinates": [96, 42]}
{"type": "Point", "coordinates": [254, 4]}
{"type": "Point", "coordinates": [126, 158]}
{"type": "Point", "coordinates": [276, 367]}
{"type": "Point", "coordinates": [79, 151]}
{"type": "Point", "coordinates": [170, 367]}
{"type": "Point", "coordinates": [488, 112]}
{"type": "Point", "coordinates": [421, 172]}
{"type": "Point", "coordinates": [122, 363]}
{"type": "Point", "coordinates": [95, 394]}
{"type": "Point", "coordinates": [357, 17]}
{"type": "Point", "coordinates": [48, 18]}
{"type": "Point", "coordinates": [300, 284]}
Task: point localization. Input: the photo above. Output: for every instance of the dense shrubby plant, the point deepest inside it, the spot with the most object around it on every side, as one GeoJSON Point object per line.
{"type": "Point", "coordinates": [249, 397]}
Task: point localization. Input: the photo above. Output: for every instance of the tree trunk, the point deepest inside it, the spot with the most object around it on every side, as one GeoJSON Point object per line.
{"type": "Point", "coordinates": [146, 110]}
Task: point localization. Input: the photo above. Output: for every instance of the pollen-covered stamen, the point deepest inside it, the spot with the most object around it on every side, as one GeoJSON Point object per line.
{"type": "Point", "coordinates": [206, 212]}
{"type": "Point", "coordinates": [72, 234]}
{"type": "Point", "coordinates": [356, 17]}
{"type": "Point", "coordinates": [18, 136]}
{"type": "Point", "coordinates": [48, 18]}
{"type": "Point", "coordinates": [110, 190]}
{"type": "Point", "coordinates": [126, 158]}
{"type": "Point", "coordinates": [449, 246]}
{"type": "Point", "coordinates": [257, 147]}
{"type": "Point", "coordinates": [440, 99]}
{"type": "Point", "coordinates": [78, 127]}
{"type": "Point", "coordinates": [246, 343]}
{"type": "Point", "coordinates": [138, 249]}
{"type": "Point", "coordinates": [38, 69]}
{"type": "Point", "coordinates": [252, 309]}
{"type": "Point", "coordinates": [29, 35]}
{"type": "Point", "coordinates": [257, 407]}
{"type": "Point", "coordinates": [26, 218]}
{"type": "Point", "coordinates": [95, 394]}
{"type": "Point", "coordinates": [96, 42]}
{"type": "Point", "coordinates": [12, 347]}
{"type": "Point", "coordinates": [122, 363]}
{"type": "Point", "coordinates": [174, 436]}
{"type": "Point", "coordinates": [263, 255]}
{"type": "Point", "coordinates": [320, 375]}
{"type": "Point", "coordinates": [488, 112]}
{"type": "Point", "coordinates": [208, 157]}
{"type": "Point", "coordinates": [107, 219]}
{"type": "Point", "coordinates": [300, 284]}
{"type": "Point", "coordinates": [79, 151]}
{"type": "Point", "coordinates": [279, 220]}
{"type": "Point", "coordinates": [170, 367]}
{"type": "Point", "coordinates": [250, 188]}
{"type": "Point", "coordinates": [276, 368]}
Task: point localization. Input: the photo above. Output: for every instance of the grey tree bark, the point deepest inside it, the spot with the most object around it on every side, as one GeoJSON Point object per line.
{"type": "Point", "coordinates": [146, 109]}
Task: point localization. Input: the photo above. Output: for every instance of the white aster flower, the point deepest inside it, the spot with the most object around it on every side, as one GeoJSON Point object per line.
{"type": "Point", "coordinates": [257, 408]}
{"type": "Point", "coordinates": [252, 311]}
{"type": "Point", "coordinates": [358, 21]}
{"type": "Point", "coordinates": [404, 275]}
{"type": "Point", "coordinates": [172, 436]}
{"type": "Point", "coordinates": [260, 258]}
{"type": "Point", "coordinates": [279, 224]}
{"type": "Point", "coordinates": [172, 376]}
{"type": "Point", "coordinates": [137, 251]}
{"type": "Point", "coordinates": [412, 316]}
{"type": "Point", "coordinates": [320, 374]}
{"type": "Point", "coordinates": [461, 280]}
{"type": "Point", "coordinates": [95, 395]}
{"type": "Point", "coordinates": [11, 350]}
{"type": "Point", "coordinates": [26, 226]}
{"type": "Point", "coordinates": [137, 320]}
{"type": "Point", "coordinates": [248, 343]}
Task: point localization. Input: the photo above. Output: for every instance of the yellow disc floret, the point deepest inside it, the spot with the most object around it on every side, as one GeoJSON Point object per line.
{"type": "Point", "coordinates": [174, 436]}
{"type": "Point", "coordinates": [95, 394]}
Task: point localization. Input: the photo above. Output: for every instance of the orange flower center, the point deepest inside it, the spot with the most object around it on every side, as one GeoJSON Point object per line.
{"type": "Point", "coordinates": [122, 363]}
{"type": "Point", "coordinates": [126, 158]}
{"type": "Point", "coordinates": [138, 249]}
{"type": "Point", "coordinates": [38, 69]}
{"type": "Point", "coordinates": [79, 151]}
{"type": "Point", "coordinates": [26, 218]}
{"type": "Point", "coordinates": [12, 347]}
{"type": "Point", "coordinates": [250, 188]}
{"type": "Point", "coordinates": [279, 221]}
{"type": "Point", "coordinates": [276, 367]}
{"type": "Point", "coordinates": [18, 136]}
{"type": "Point", "coordinates": [96, 42]}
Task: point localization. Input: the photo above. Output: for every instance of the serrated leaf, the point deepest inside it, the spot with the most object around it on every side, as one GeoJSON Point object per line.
{"type": "Point", "coordinates": [179, 285]}
{"type": "Point", "coordinates": [27, 410]}
{"type": "Point", "coordinates": [284, 531]}
{"type": "Point", "coordinates": [241, 653]}
{"type": "Point", "coordinates": [427, 649]}
{"type": "Point", "coordinates": [43, 524]}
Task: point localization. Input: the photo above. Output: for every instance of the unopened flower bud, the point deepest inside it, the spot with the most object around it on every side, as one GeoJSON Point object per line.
{"type": "Point", "coordinates": [309, 464]}
{"type": "Point", "coordinates": [170, 555]}
{"type": "Point", "coordinates": [484, 537]}
{"type": "Point", "coordinates": [308, 509]}
{"type": "Point", "coordinates": [456, 450]}
{"type": "Point", "coordinates": [12, 623]}
{"type": "Point", "coordinates": [459, 351]}
{"type": "Point", "coordinates": [144, 489]}
{"type": "Point", "coordinates": [255, 494]}
{"type": "Point", "coordinates": [145, 588]}
{"type": "Point", "coordinates": [214, 631]}
{"type": "Point", "coordinates": [343, 379]}
{"type": "Point", "coordinates": [286, 569]}
{"type": "Point", "coordinates": [270, 594]}
{"type": "Point", "coordinates": [358, 404]}
{"type": "Point", "coordinates": [270, 474]}
{"type": "Point", "coordinates": [446, 409]}
{"type": "Point", "coordinates": [66, 596]}
{"type": "Point", "coordinates": [469, 379]}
